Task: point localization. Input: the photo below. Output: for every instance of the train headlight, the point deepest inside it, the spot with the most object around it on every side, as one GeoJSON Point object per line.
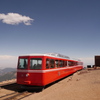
{"type": "Point", "coordinates": [27, 75]}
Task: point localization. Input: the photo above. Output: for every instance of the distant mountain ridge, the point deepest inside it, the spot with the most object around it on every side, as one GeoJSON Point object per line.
{"type": "Point", "coordinates": [6, 70]}
{"type": "Point", "coordinates": [7, 74]}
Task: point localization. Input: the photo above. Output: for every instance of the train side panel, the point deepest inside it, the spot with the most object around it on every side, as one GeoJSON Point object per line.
{"type": "Point", "coordinates": [53, 75]}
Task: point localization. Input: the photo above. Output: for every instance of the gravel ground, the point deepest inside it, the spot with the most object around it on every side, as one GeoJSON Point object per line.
{"type": "Point", "coordinates": [83, 85]}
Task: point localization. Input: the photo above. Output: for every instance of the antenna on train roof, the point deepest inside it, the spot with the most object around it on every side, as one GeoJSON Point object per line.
{"type": "Point", "coordinates": [58, 55]}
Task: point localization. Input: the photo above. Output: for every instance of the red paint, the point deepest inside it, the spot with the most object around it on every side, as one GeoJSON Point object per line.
{"type": "Point", "coordinates": [43, 76]}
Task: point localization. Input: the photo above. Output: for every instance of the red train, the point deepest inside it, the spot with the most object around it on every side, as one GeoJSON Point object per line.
{"type": "Point", "coordinates": [42, 69]}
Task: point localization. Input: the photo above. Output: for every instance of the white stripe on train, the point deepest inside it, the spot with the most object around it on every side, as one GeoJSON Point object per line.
{"type": "Point", "coordinates": [44, 71]}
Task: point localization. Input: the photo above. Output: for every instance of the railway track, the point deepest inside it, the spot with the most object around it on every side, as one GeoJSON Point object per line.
{"type": "Point", "coordinates": [13, 92]}
{"type": "Point", "coordinates": [15, 95]}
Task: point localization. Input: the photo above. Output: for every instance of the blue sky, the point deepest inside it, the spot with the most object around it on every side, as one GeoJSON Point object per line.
{"type": "Point", "coordinates": [69, 27]}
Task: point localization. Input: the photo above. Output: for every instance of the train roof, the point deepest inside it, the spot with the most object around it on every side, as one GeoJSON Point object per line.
{"type": "Point", "coordinates": [52, 55]}
{"type": "Point", "coordinates": [49, 54]}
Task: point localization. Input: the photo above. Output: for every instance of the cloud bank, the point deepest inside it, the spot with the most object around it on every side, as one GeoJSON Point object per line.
{"type": "Point", "coordinates": [8, 61]}
{"type": "Point", "coordinates": [87, 61]}
{"type": "Point", "coordinates": [15, 19]}
{"type": "Point", "coordinates": [11, 61]}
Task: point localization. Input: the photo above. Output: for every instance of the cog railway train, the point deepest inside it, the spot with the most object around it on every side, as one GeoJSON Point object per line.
{"type": "Point", "coordinates": [42, 69]}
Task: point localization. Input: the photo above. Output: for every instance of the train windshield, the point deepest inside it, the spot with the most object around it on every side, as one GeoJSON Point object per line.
{"type": "Point", "coordinates": [23, 63]}
{"type": "Point", "coordinates": [35, 63]}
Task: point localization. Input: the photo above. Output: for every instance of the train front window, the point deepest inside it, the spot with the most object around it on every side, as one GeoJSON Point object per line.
{"type": "Point", "coordinates": [36, 63]}
{"type": "Point", "coordinates": [23, 62]}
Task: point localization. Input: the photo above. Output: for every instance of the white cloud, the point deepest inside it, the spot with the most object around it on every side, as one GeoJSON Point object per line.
{"type": "Point", "coordinates": [8, 61]}
{"type": "Point", "coordinates": [15, 18]}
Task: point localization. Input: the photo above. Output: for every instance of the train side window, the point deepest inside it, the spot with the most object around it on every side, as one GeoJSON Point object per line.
{"type": "Point", "coordinates": [72, 63]}
{"type": "Point", "coordinates": [23, 63]}
{"type": "Point", "coordinates": [52, 63]}
{"type": "Point", "coordinates": [36, 63]}
{"type": "Point", "coordinates": [75, 63]}
{"type": "Point", "coordinates": [57, 63]}
{"type": "Point", "coordinates": [79, 63]}
{"type": "Point", "coordinates": [65, 63]}
{"type": "Point", "coordinates": [61, 63]}
{"type": "Point", "coordinates": [69, 63]}
{"type": "Point", "coordinates": [47, 63]}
